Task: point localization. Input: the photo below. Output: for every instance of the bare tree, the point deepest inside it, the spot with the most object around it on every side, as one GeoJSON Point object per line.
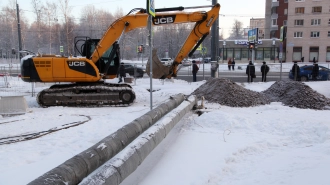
{"type": "Point", "coordinates": [37, 7]}
{"type": "Point", "coordinates": [237, 31]}
{"type": "Point", "coordinates": [68, 24]}
{"type": "Point", "coordinates": [51, 12]}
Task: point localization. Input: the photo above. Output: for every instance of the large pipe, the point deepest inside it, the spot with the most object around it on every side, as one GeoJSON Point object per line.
{"type": "Point", "coordinates": [78, 167]}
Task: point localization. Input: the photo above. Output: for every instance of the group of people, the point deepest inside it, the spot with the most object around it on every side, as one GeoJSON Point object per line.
{"type": "Point", "coordinates": [231, 64]}
{"type": "Point", "coordinates": [251, 71]}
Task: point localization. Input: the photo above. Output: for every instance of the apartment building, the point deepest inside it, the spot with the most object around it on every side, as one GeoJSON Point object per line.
{"type": "Point", "coordinates": [308, 30]}
{"type": "Point", "coordinates": [260, 24]}
{"type": "Point", "coordinates": [276, 16]}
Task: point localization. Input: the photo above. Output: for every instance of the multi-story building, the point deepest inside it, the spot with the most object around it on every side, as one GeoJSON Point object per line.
{"type": "Point", "coordinates": [308, 30]}
{"type": "Point", "coordinates": [276, 16]}
{"type": "Point", "coordinates": [260, 24]}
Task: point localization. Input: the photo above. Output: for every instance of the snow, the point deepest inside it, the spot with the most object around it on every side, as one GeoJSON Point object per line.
{"type": "Point", "coordinates": [268, 144]}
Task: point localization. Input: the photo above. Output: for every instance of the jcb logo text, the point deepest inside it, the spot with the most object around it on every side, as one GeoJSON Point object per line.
{"type": "Point", "coordinates": [164, 20]}
{"type": "Point", "coordinates": [76, 63]}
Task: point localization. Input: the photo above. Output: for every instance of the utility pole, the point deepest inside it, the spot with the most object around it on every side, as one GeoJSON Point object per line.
{"type": "Point", "coordinates": [19, 32]}
{"type": "Point", "coordinates": [215, 36]}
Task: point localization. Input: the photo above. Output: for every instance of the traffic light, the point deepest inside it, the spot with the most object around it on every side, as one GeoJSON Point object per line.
{"type": "Point", "coordinates": [251, 45]}
{"type": "Point", "coordinates": [140, 49]}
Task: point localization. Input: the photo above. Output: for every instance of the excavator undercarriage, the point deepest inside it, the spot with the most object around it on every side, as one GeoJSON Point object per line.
{"type": "Point", "coordinates": [87, 94]}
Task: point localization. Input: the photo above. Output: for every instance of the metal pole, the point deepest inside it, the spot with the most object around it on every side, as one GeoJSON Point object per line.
{"type": "Point", "coordinates": [215, 36]}
{"type": "Point", "coordinates": [274, 53]}
{"type": "Point", "coordinates": [150, 56]}
{"type": "Point", "coordinates": [19, 32]}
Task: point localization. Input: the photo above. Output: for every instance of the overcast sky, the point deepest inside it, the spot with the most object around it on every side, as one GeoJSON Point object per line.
{"type": "Point", "coordinates": [241, 10]}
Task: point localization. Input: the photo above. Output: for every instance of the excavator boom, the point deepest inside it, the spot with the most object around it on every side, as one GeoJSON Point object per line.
{"type": "Point", "coordinates": [203, 20]}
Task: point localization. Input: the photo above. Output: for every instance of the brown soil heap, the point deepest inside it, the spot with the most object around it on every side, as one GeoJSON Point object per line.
{"type": "Point", "coordinates": [227, 92]}
{"type": "Point", "coordinates": [290, 93]}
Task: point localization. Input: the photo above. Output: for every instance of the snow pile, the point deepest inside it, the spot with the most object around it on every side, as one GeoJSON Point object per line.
{"type": "Point", "coordinates": [227, 92]}
{"type": "Point", "coordinates": [297, 94]}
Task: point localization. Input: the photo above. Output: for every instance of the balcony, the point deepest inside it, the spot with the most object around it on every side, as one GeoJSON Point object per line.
{"type": "Point", "coordinates": [275, 4]}
{"type": "Point", "coordinates": [274, 16]}
{"type": "Point", "coordinates": [273, 27]}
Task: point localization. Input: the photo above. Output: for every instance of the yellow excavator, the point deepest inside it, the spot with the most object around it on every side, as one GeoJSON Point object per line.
{"type": "Point", "coordinates": [84, 75]}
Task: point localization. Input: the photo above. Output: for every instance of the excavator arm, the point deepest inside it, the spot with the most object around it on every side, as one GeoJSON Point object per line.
{"type": "Point", "coordinates": [203, 20]}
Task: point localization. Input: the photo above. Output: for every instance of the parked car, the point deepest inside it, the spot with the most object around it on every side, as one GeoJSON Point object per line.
{"type": "Point", "coordinates": [166, 61]}
{"type": "Point", "coordinates": [186, 62]}
{"type": "Point", "coordinates": [306, 73]}
{"type": "Point", "coordinates": [130, 70]}
{"type": "Point", "coordinates": [207, 60]}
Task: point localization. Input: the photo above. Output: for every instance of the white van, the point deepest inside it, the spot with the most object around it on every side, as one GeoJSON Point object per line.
{"type": "Point", "coordinates": [166, 61]}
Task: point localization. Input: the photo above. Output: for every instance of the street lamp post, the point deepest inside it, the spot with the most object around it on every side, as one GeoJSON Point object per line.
{"type": "Point", "coordinates": [273, 43]}
{"type": "Point", "coordinates": [223, 50]}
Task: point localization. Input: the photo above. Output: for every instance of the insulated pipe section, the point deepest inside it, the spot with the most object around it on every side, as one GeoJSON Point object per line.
{"type": "Point", "coordinates": [78, 167]}
{"type": "Point", "coordinates": [126, 162]}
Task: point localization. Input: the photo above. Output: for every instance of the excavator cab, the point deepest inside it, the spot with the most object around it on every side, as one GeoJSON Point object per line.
{"type": "Point", "coordinates": [108, 63]}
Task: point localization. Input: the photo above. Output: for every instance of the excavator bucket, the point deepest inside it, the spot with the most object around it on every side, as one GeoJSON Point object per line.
{"type": "Point", "coordinates": [159, 71]}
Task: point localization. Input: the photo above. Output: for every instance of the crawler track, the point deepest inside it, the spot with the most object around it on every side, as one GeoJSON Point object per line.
{"type": "Point", "coordinates": [87, 94]}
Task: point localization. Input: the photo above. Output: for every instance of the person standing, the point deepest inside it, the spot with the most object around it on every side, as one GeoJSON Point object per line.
{"type": "Point", "coordinates": [264, 70]}
{"type": "Point", "coordinates": [250, 71]}
{"type": "Point", "coordinates": [233, 64]}
{"type": "Point", "coordinates": [315, 71]}
{"type": "Point", "coordinates": [194, 70]}
{"type": "Point", "coordinates": [121, 72]}
{"type": "Point", "coordinates": [229, 64]}
{"type": "Point", "coordinates": [295, 71]}
{"type": "Point", "coordinates": [314, 60]}
{"type": "Point", "coordinates": [302, 59]}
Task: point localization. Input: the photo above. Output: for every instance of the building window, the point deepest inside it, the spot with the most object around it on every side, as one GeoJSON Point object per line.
{"type": "Point", "coordinates": [329, 22]}
{"type": "Point", "coordinates": [297, 34]}
{"type": "Point", "coordinates": [313, 53]}
{"type": "Point", "coordinates": [274, 22]}
{"type": "Point", "coordinates": [300, 0]}
{"type": "Point", "coordinates": [315, 34]}
{"type": "Point", "coordinates": [297, 53]}
{"type": "Point", "coordinates": [300, 10]}
{"type": "Point", "coordinates": [315, 21]}
{"type": "Point", "coordinates": [328, 33]}
{"type": "Point", "coordinates": [284, 22]}
{"type": "Point", "coordinates": [285, 11]}
{"type": "Point", "coordinates": [317, 9]}
{"type": "Point", "coordinates": [299, 22]}
{"type": "Point", "coordinates": [285, 1]}
{"type": "Point", "coordinates": [328, 54]}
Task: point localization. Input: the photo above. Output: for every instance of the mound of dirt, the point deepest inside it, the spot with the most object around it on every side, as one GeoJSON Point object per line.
{"type": "Point", "coordinates": [296, 94]}
{"type": "Point", "coordinates": [227, 92]}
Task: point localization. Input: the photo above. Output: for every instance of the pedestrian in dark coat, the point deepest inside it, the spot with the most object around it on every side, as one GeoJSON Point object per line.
{"type": "Point", "coordinates": [264, 70]}
{"type": "Point", "coordinates": [314, 60]}
{"type": "Point", "coordinates": [315, 71]}
{"type": "Point", "coordinates": [121, 72]}
{"type": "Point", "coordinates": [295, 71]}
{"type": "Point", "coordinates": [194, 70]}
{"type": "Point", "coordinates": [302, 59]}
{"type": "Point", "coordinates": [233, 64]}
{"type": "Point", "coordinates": [250, 71]}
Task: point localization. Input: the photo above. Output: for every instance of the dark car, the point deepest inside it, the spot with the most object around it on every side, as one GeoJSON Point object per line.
{"type": "Point", "coordinates": [306, 73]}
{"type": "Point", "coordinates": [130, 70]}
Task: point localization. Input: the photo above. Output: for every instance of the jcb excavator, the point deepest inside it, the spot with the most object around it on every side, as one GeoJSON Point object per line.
{"type": "Point", "coordinates": [99, 60]}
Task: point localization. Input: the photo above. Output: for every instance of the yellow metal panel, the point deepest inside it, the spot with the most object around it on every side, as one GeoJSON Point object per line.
{"type": "Point", "coordinates": [58, 67]}
{"type": "Point", "coordinates": [43, 66]}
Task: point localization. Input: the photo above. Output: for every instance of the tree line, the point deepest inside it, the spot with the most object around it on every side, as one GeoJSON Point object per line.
{"type": "Point", "coordinates": [53, 26]}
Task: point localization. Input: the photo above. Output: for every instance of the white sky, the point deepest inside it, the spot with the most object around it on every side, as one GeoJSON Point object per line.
{"type": "Point", "coordinates": [241, 10]}
{"type": "Point", "coordinates": [270, 144]}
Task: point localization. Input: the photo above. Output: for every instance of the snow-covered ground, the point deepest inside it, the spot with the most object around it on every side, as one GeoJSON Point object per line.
{"type": "Point", "coordinates": [269, 144]}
